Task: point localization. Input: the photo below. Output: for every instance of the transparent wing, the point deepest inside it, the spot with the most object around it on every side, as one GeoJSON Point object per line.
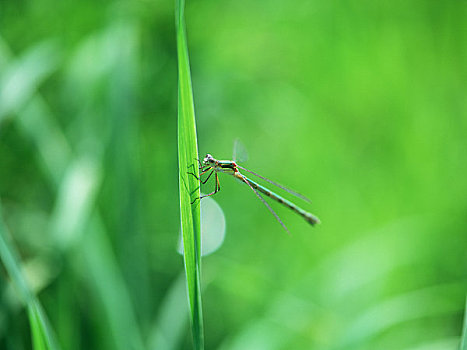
{"type": "Point", "coordinates": [296, 194]}
{"type": "Point", "coordinates": [239, 152]}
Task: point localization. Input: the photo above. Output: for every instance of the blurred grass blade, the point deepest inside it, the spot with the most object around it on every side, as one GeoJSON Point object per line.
{"type": "Point", "coordinates": [463, 345]}
{"type": "Point", "coordinates": [170, 327]}
{"type": "Point", "coordinates": [37, 333]}
{"type": "Point", "coordinates": [22, 77]}
{"type": "Point", "coordinates": [189, 186]}
{"type": "Point", "coordinates": [40, 328]}
{"type": "Point", "coordinates": [42, 335]}
{"type": "Point", "coordinates": [75, 201]}
{"type": "Point", "coordinates": [116, 303]}
{"type": "Point", "coordinates": [10, 260]}
{"type": "Point", "coordinates": [55, 156]}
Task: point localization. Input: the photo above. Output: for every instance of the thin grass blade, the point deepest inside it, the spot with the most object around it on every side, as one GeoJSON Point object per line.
{"type": "Point", "coordinates": [189, 186]}
{"type": "Point", "coordinates": [42, 334]}
{"type": "Point", "coordinates": [55, 157]}
{"type": "Point", "coordinates": [37, 333]}
{"type": "Point", "coordinates": [463, 344]}
{"type": "Point", "coordinates": [21, 78]}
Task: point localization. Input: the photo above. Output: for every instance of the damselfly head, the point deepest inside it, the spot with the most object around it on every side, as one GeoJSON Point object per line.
{"type": "Point", "coordinates": [209, 160]}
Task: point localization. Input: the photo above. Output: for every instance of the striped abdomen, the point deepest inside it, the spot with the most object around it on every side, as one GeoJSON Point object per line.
{"type": "Point", "coordinates": [310, 218]}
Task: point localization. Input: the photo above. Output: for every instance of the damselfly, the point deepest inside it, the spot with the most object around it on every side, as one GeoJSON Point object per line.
{"type": "Point", "coordinates": [213, 166]}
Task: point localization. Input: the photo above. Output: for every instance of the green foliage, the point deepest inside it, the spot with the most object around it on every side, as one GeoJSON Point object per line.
{"type": "Point", "coordinates": [189, 186]}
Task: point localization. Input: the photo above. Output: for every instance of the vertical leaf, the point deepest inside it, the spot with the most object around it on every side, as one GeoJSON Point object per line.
{"type": "Point", "coordinates": [188, 184]}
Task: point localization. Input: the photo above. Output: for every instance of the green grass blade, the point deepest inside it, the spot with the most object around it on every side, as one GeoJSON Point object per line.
{"type": "Point", "coordinates": [463, 345]}
{"type": "Point", "coordinates": [189, 186]}
{"type": "Point", "coordinates": [22, 77]}
{"type": "Point", "coordinates": [37, 332]}
{"type": "Point", "coordinates": [40, 329]}
{"type": "Point", "coordinates": [42, 335]}
{"type": "Point", "coordinates": [10, 260]}
{"type": "Point", "coordinates": [38, 123]}
{"type": "Point", "coordinates": [170, 326]}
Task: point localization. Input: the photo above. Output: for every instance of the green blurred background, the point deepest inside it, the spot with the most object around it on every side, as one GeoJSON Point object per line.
{"type": "Point", "coordinates": [360, 105]}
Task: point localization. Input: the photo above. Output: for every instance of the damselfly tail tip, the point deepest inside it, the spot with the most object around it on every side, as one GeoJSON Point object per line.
{"type": "Point", "coordinates": [313, 220]}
